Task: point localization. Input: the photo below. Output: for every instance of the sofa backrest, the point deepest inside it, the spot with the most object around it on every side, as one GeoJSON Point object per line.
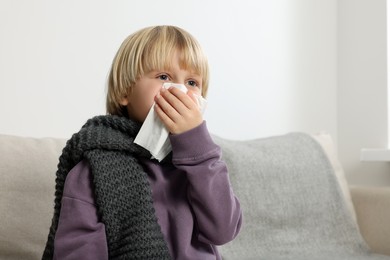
{"type": "Point", "coordinates": [288, 187]}
{"type": "Point", "coordinates": [27, 179]}
{"type": "Point", "coordinates": [27, 171]}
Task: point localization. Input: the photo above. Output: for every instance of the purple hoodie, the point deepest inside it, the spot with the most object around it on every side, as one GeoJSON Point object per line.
{"type": "Point", "coordinates": [195, 205]}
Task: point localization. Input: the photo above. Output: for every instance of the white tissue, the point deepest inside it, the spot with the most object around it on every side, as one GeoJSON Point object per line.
{"type": "Point", "coordinates": [153, 135]}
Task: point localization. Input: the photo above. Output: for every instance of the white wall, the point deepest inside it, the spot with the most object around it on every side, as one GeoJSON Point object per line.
{"type": "Point", "coordinates": [273, 62]}
{"type": "Point", "coordinates": [362, 90]}
{"type": "Point", "coordinates": [274, 65]}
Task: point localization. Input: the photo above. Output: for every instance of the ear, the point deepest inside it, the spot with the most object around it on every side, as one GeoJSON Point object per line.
{"type": "Point", "coordinates": [124, 101]}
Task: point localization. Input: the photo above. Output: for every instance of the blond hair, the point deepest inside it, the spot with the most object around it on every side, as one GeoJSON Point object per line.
{"type": "Point", "coordinates": [148, 49]}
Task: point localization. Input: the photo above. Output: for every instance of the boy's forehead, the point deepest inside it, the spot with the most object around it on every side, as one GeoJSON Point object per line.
{"type": "Point", "coordinates": [173, 66]}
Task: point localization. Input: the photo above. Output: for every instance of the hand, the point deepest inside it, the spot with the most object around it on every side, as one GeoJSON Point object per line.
{"type": "Point", "coordinates": [178, 111]}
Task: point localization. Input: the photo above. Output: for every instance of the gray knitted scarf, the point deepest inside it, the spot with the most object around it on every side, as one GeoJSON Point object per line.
{"type": "Point", "coordinates": [122, 191]}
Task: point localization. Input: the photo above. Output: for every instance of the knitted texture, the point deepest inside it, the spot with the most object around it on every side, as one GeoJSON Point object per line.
{"type": "Point", "coordinates": [122, 191]}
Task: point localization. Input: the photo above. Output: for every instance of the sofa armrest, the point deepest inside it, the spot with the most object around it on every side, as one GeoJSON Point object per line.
{"type": "Point", "coordinates": [372, 206]}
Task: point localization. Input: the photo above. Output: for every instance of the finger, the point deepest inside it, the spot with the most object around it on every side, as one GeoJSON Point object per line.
{"type": "Point", "coordinates": [175, 98]}
{"type": "Point", "coordinates": [167, 121]}
{"type": "Point", "coordinates": [187, 99]}
{"type": "Point", "coordinates": [166, 107]}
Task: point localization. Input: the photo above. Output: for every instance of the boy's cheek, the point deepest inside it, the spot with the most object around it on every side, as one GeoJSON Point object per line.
{"type": "Point", "coordinates": [195, 90]}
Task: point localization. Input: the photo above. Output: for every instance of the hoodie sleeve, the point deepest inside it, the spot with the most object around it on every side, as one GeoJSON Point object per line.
{"type": "Point", "coordinates": [80, 234]}
{"type": "Point", "coordinates": [216, 208]}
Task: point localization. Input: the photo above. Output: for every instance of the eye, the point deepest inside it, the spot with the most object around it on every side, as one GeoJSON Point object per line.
{"type": "Point", "coordinates": [163, 77]}
{"type": "Point", "coordinates": [193, 83]}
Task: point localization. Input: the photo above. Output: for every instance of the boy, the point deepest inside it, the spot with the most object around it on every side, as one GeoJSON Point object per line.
{"type": "Point", "coordinates": [113, 201]}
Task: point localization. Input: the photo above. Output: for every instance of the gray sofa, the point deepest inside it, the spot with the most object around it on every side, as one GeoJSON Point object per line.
{"type": "Point", "coordinates": [27, 170]}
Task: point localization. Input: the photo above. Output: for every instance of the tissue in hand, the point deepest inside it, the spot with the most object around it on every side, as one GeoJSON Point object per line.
{"type": "Point", "coordinates": [153, 135]}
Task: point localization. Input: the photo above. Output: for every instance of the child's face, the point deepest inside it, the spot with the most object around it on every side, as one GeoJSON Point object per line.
{"type": "Point", "coordinates": [141, 98]}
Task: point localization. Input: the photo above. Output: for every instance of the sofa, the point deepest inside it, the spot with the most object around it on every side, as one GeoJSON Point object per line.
{"type": "Point", "coordinates": [27, 171]}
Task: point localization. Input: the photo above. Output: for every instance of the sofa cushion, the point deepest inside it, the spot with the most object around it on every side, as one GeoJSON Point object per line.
{"type": "Point", "coordinates": [292, 201]}
{"type": "Point", "coordinates": [27, 169]}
